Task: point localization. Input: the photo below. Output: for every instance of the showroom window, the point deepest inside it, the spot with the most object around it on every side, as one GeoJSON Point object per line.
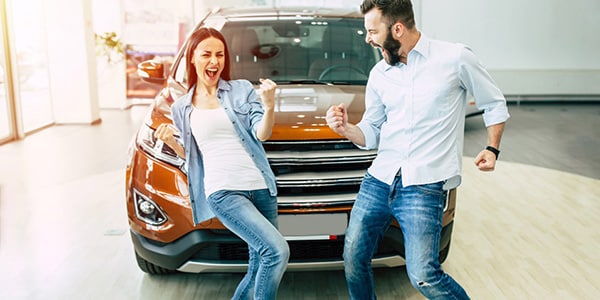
{"type": "Point", "coordinates": [31, 67]}
{"type": "Point", "coordinates": [5, 121]}
{"type": "Point", "coordinates": [25, 104]}
{"type": "Point", "coordinates": [6, 107]}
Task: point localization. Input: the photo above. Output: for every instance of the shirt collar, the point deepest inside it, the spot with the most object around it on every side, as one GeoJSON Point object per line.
{"type": "Point", "coordinates": [422, 48]}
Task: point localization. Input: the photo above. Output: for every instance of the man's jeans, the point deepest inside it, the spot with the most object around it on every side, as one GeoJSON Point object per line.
{"type": "Point", "coordinates": [252, 215]}
{"type": "Point", "coordinates": [418, 210]}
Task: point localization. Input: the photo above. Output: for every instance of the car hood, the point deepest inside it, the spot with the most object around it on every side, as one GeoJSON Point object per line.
{"type": "Point", "coordinates": [299, 110]}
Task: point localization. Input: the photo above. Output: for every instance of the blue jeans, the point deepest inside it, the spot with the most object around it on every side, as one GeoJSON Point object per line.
{"type": "Point", "coordinates": [418, 210]}
{"type": "Point", "coordinates": [252, 216]}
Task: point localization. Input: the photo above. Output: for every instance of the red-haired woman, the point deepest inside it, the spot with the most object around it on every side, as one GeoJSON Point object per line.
{"type": "Point", "coordinates": [222, 123]}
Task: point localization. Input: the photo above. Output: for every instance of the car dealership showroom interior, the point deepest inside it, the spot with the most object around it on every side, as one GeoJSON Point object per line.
{"type": "Point", "coordinates": [95, 201]}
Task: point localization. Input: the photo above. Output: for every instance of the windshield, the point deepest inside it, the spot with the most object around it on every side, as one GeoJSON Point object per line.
{"type": "Point", "coordinates": [300, 50]}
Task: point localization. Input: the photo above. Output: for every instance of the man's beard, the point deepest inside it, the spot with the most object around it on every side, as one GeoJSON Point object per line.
{"type": "Point", "coordinates": [392, 47]}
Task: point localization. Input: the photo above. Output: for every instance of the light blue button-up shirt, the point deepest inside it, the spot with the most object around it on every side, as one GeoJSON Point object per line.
{"type": "Point", "coordinates": [415, 112]}
{"type": "Point", "coordinates": [243, 107]}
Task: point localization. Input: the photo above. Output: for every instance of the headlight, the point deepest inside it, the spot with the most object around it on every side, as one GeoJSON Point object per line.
{"type": "Point", "coordinates": [157, 148]}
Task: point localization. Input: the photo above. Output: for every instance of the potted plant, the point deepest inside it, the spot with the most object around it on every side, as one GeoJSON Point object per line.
{"type": "Point", "coordinates": [109, 45]}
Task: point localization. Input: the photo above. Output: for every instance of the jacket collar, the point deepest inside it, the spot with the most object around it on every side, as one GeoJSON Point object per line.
{"type": "Point", "coordinates": [224, 85]}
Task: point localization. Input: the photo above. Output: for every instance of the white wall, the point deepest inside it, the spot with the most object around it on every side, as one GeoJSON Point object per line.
{"type": "Point", "coordinates": [531, 47]}
{"type": "Point", "coordinates": [72, 61]}
{"type": "Point", "coordinates": [534, 47]}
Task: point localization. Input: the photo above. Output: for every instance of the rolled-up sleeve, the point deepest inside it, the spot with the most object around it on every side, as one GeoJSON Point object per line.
{"type": "Point", "coordinates": [488, 96]}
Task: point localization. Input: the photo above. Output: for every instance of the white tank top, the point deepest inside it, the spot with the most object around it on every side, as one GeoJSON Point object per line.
{"type": "Point", "coordinates": [227, 165]}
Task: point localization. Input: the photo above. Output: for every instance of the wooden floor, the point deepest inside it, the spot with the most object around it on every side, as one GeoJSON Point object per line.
{"type": "Point", "coordinates": [530, 230]}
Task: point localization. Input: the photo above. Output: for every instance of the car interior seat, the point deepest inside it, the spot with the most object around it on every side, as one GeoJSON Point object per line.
{"type": "Point", "coordinates": [343, 56]}
{"type": "Point", "coordinates": [244, 64]}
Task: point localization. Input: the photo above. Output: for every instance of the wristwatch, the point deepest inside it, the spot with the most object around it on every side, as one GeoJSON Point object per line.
{"type": "Point", "coordinates": [493, 150]}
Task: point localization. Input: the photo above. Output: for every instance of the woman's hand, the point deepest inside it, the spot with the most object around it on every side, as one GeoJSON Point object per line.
{"type": "Point", "coordinates": [267, 96]}
{"type": "Point", "coordinates": [267, 93]}
{"type": "Point", "coordinates": [166, 133]}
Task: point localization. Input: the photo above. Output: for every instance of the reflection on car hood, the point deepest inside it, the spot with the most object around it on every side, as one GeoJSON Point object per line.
{"type": "Point", "coordinates": [300, 110]}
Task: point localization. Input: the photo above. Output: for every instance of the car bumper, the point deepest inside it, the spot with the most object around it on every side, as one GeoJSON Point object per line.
{"type": "Point", "coordinates": [219, 251]}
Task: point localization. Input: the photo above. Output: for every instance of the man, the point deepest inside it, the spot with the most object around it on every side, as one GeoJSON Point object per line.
{"type": "Point", "coordinates": [415, 102]}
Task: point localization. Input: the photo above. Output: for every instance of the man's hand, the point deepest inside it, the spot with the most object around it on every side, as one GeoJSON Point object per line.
{"type": "Point", "coordinates": [337, 118]}
{"type": "Point", "coordinates": [486, 160]}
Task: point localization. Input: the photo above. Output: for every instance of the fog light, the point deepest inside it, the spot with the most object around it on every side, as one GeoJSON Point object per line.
{"type": "Point", "coordinates": [146, 207]}
{"type": "Point", "coordinates": [147, 210]}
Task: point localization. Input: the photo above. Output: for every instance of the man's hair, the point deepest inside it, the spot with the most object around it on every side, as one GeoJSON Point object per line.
{"type": "Point", "coordinates": [392, 11]}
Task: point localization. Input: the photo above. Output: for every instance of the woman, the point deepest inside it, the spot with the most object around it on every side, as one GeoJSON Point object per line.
{"type": "Point", "coordinates": [222, 124]}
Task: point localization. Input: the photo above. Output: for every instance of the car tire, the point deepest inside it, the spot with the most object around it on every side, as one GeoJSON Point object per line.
{"type": "Point", "coordinates": [444, 254]}
{"type": "Point", "coordinates": [151, 268]}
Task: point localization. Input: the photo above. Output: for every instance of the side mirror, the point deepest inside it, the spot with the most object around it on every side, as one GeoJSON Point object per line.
{"type": "Point", "coordinates": [152, 71]}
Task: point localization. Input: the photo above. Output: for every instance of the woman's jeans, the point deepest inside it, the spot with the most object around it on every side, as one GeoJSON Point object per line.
{"type": "Point", "coordinates": [418, 210]}
{"type": "Point", "coordinates": [252, 216]}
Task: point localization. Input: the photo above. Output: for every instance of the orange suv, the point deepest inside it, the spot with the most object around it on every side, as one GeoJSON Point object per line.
{"type": "Point", "coordinates": [317, 59]}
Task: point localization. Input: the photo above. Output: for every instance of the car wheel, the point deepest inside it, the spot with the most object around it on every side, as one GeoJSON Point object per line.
{"type": "Point", "coordinates": [444, 254]}
{"type": "Point", "coordinates": [151, 268]}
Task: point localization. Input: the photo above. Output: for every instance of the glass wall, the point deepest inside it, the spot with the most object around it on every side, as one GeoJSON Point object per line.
{"type": "Point", "coordinates": [25, 104]}
{"type": "Point", "coordinates": [165, 19]}
{"type": "Point", "coordinates": [5, 115]}
{"type": "Point", "coordinates": [31, 66]}
{"type": "Point", "coordinates": [5, 119]}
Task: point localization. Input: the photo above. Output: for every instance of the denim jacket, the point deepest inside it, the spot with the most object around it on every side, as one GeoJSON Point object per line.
{"type": "Point", "coordinates": [243, 107]}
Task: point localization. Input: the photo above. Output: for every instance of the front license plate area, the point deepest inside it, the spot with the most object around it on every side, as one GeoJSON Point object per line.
{"type": "Point", "coordinates": [312, 226]}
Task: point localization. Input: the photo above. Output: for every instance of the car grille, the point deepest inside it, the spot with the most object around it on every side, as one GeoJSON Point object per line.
{"type": "Point", "coordinates": [299, 251]}
{"type": "Point", "coordinates": [317, 173]}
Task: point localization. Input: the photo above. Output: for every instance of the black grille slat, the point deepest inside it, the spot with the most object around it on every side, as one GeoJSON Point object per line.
{"type": "Point", "coordinates": [308, 145]}
{"type": "Point", "coordinates": [310, 191]}
{"type": "Point", "coordinates": [322, 160]}
{"type": "Point", "coordinates": [283, 168]}
{"type": "Point", "coordinates": [299, 251]}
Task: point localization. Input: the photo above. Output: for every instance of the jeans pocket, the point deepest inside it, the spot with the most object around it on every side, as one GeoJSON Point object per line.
{"type": "Point", "coordinates": [218, 196]}
{"type": "Point", "coordinates": [431, 188]}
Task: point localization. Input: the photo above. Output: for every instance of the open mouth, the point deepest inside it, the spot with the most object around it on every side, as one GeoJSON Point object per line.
{"type": "Point", "coordinates": [377, 46]}
{"type": "Point", "coordinates": [212, 72]}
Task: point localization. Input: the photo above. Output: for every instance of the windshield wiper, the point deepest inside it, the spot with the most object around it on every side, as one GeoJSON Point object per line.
{"type": "Point", "coordinates": [304, 81]}
{"type": "Point", "coordinates": [313, 81]}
